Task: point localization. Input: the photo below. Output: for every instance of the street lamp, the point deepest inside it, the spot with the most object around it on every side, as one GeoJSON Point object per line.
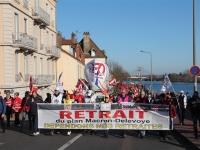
{"type": "Point", "coordinates": [151, 65]}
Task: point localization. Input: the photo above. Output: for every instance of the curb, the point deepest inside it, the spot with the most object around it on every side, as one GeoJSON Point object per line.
{"type": "Point", "coordinates": [185, 139]}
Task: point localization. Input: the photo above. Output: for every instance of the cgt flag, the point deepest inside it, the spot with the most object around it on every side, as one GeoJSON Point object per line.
{"type": "Point", "coordinates": [167, 83]}
{"type": "Point", "coordinates": [59, 85]}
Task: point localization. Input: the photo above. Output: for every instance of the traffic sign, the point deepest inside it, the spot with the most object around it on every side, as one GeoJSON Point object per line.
{"type": "Point", "coordinates": [194, 70]}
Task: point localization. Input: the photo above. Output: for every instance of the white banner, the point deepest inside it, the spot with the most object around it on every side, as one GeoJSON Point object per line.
{"type": "Point", "coordinates": [128, 116]}
{"type": "Point", "coordinates": [167, 83]}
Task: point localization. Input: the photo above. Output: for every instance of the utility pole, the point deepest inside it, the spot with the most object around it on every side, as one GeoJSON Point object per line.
{"type": "Point", "coordinates": [194, 42]}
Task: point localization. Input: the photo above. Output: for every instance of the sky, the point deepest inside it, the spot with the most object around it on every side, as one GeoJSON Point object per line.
{"type": "Point", "coordinates": [124, 27]}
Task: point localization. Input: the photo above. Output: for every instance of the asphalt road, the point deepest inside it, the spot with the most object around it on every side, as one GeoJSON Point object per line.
{"type": "Point", "coordinates": [13, 139]}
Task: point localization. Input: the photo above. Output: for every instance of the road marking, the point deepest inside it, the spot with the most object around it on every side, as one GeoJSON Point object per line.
{"type": "Point", "coordinates": [1, 144]}
{"type": "Point", "coordinates": [70, 142]}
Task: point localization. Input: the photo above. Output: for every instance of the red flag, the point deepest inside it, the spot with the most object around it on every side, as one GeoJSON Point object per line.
{"type": "Point", "coordinates": [31, 84]}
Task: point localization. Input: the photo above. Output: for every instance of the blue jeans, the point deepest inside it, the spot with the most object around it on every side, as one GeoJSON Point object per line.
{"type": "Point", "coordinates": [24, 117]}
{"type": "Point", "coordinates": [171, 126]}
{"type": "Point", "coordinates": [35, 123]}
{"type": "Point", "coordinates": [142, 132]}
{"type": "Point", "coordinates": [195, 126]}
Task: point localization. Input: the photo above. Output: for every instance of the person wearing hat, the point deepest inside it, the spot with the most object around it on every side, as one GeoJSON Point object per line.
{"type": "Point", "coordinates": [182, 104]}
{"type": "Point", "coordinates": [17, 108]}
{"type": "Point", "coordinates": [32, 101]}
{"type": "Point", "coordinates": [56, 98]}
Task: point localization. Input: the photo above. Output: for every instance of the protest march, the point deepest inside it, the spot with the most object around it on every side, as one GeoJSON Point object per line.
{"type": "Point", "coordinates": [96, 105]}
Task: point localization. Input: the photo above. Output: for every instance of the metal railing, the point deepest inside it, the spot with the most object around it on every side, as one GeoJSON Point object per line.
{"type": "Point", "coordinates": [40, 79]}
{"type": "Point", "coordinates": [17, 77]}
{"type": "Point", "coordinates": [38, 11]}
{"type": "Point", "coordinates": [25, 40]}
{"type": "Point", "coordinates": [26, 3]}
{"type": "Point", "coordinates": [52, 50]}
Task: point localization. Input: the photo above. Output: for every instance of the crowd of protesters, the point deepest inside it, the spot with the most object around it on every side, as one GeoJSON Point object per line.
{"type": "Point", "coordinates": [10, 106]}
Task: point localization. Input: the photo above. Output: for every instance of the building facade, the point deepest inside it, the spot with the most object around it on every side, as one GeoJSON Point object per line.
{"type": "Point", "coordinates": [28, 45]}
{"type": "Point", "coordinates": [71, 62]}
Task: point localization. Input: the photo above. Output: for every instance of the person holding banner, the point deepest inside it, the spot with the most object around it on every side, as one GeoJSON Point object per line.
{"type": "Point", "coordinates": [194, 106]}
{"type": "Point", "coordinates": [163, 101]}
{"type": "Point", "coordinates": [56, 98]}
{"type": "Point", "coordinates": [142, 99]}
{"type": "Point", "coordinates": [122, 99]}
{"type": "Point", "coordinates": [32, 101]}
{"type": "Point", "coordinates": [68, 100]}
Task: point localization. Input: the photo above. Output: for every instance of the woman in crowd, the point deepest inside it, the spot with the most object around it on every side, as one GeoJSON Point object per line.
{"type": "Point", "coordinates": [25, 111]}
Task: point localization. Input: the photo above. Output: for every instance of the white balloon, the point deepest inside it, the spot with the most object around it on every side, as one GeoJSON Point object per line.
{"type": "Point", "coordinates": [96, 73]}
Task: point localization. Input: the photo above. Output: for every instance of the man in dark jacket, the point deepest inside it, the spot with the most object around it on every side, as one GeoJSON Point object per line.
{"type": "Point", "coordinates": [194, 105]}
{"type": "Point", "coordinates": [2, 113]}
{"type": "Point", "coordinates": [32, 102]}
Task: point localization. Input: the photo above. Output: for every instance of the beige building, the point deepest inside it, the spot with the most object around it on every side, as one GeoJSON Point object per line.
{"type": "Point", "coordinates": [71, 62]}
{"type": "Point", "coordinates": [28, 45]}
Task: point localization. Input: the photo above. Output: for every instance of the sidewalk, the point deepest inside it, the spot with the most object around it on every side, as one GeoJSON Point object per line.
{"type": "Point", "coordinates": [186, 131]}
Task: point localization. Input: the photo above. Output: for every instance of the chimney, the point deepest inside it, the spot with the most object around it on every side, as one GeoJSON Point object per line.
{"type": "Point", "coordinates": [73, 38]}
{"type": "Point", "coordinates": [59, 39]}
{"type": "Point", "coordinates": [86, 42]}
{"type": "Point", "coordinates": [77, 49]}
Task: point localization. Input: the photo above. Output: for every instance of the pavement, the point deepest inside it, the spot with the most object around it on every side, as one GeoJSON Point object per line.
{"type": "Point", "coordinates": [187, 131]}
{"type": "Point", "coordinates": [15, 139]}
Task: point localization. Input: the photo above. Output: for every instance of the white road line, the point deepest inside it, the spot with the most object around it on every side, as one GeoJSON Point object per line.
{"type": "Point", "coordinates": [70, 142]}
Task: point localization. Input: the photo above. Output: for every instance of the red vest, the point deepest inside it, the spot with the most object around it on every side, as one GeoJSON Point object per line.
{"type": "Point", "coordinates": [17, 102]}
{"type": "Point", "coordinates": [24, 107]}
{"type": "Point", "coordinates": [8, 102]}
{"type": "Point", "coordinates": [79, 98]}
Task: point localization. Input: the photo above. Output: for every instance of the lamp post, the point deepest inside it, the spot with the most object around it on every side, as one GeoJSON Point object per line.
{"type": "Point", "coordinates": [151, 65]}
{"type": "Point", "coordinates": [194, 42]}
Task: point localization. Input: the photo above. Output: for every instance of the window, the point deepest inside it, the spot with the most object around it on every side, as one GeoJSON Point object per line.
{"type": "Point", "coordinates": [51, 15]}
{"type": "Point", "coordinates": [35, 65]}
{"type": "Point", "coordinates": [25, 25]}
{"type": "Point", "coordinates": [52, 40]}
{"type": "Point", "coordinates": [35, 30]}
{"type": "Point", "coordinates": [46, 7]}
{"type": "Point", "coordinates": [47, 38]}
{"type": "Point", "coordinates": [41, 66]}
{"type": "Point", "coordinates": [16, 64]}
{"type": "Point", "coordinates": [53, 67]}
{"type": "Point", "coordinates": [48, 66]}
{"type": "Point", "coordinates": [25, 64]}
{"type": "Point", "coordinates": [93, 53]}
{"type": "Point", "coordinates": [16, 26]}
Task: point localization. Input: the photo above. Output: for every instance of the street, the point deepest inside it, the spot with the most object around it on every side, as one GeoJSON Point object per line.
{"type": "Point", "coordinates": [14, 139]}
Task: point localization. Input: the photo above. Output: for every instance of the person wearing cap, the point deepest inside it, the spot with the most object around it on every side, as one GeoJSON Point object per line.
{"type": "Point", "coordinates": [17, 108]}
{"type": "Point", "coordinates": [32, 101]}
{"type": "Point", "coordinates": [90, 97]}
{"type": "Point", "coordinates": [194, 106]}
{"type": "Point", "coordinates": [25, 111]}
{"type": "Point", "coordinates": [56, 98]}
{"type": "Point", "coordinates": [182, 104]}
